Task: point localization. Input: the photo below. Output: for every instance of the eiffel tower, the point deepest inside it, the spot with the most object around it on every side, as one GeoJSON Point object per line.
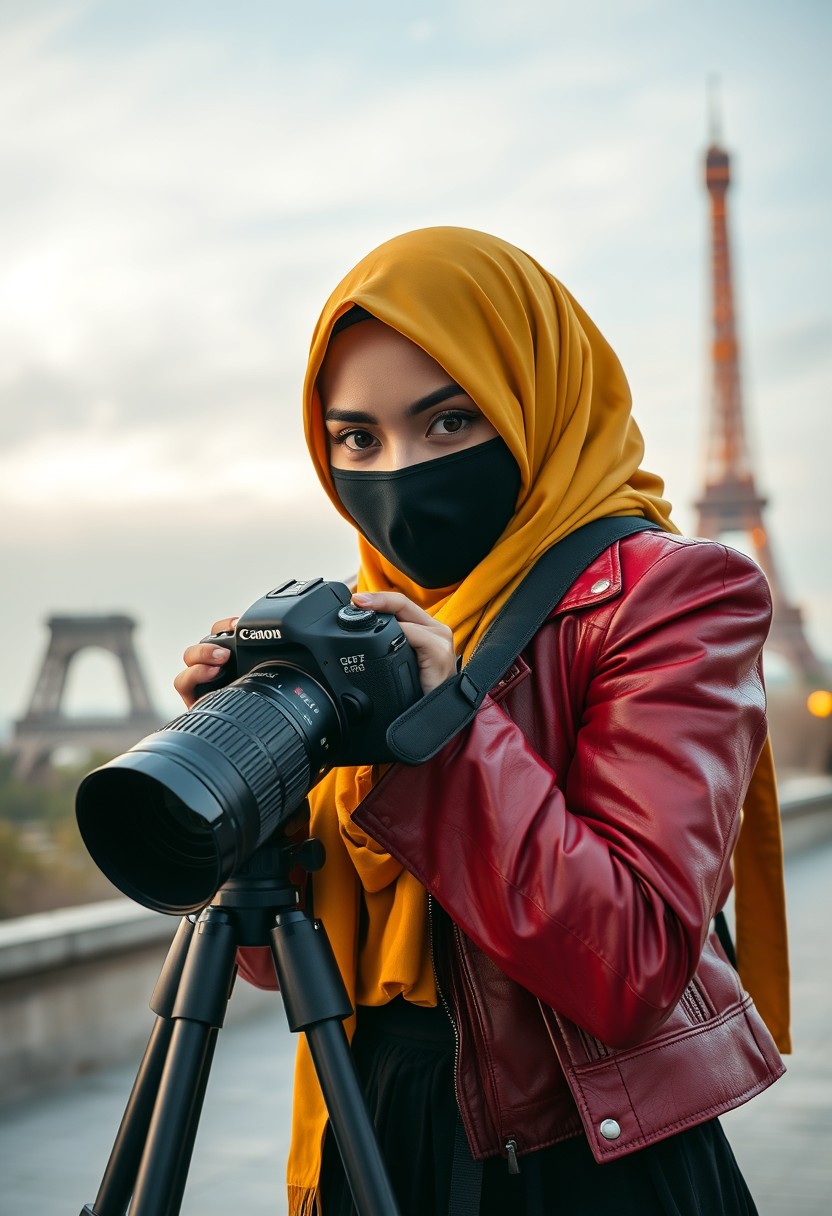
{"type": "Point", "coordinates": [45, 727]}
{"type": "Point", "coordinates": [730, 500]}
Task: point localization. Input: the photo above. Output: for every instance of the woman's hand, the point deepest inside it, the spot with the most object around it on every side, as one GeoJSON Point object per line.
{"type": "Point", "coordinates": [203, 662]}
{"type": "Point", "coordinates": [432, 641]}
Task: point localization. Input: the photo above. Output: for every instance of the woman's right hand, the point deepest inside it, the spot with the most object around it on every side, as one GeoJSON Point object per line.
{"type": "Point", "coordinates": [203, 662]}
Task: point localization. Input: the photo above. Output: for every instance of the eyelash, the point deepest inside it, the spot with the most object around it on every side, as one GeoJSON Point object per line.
{"type": "Point", "coordinates": [463, 415]}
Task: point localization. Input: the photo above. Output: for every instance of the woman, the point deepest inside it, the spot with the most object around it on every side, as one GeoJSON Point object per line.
{"type": "Point", "coordinates": [524, 921]}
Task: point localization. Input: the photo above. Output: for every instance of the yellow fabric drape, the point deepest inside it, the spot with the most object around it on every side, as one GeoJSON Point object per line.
{"type": "Point", "coordinates": [760, 902]}
{"type": "Point", "coordinates": [524, 350]}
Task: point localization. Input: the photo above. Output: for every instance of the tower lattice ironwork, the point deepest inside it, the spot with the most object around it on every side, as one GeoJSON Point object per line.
{"type": "Point", "coordinates": [45, 726]}
{"type": "Point", "coordinates": [730, 500]}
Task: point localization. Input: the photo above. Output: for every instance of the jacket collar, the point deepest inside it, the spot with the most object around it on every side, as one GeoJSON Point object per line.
{"type": "Point", "coordinates": [601, 581]}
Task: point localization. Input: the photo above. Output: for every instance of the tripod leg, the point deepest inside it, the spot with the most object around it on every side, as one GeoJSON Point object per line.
{"type": "Point", "coordinates": [351, 1126]}
{"type": "Point", "coordinates": [316, 1002]}
{"type": "Point", "coordinates": [198, 1014]}
{"type": "Point", "coordinates": [178, 1186]}
{"type": "Point", "coordinates": [120, 1173]}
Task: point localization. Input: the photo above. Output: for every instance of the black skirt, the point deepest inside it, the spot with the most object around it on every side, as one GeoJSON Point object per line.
{"type": "Point", "coordinates": [404, 1056]}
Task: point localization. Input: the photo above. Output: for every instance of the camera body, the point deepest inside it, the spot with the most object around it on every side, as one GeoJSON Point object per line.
{"type": "Point", "coordinates": [312, 682]}
{"type": "Point", "coordinates": [307, 641]}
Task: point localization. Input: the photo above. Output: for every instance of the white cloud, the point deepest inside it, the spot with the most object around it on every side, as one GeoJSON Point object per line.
{"type": "Point", "coordinates": [100, 469]}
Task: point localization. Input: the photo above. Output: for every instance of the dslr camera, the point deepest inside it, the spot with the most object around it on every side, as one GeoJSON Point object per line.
{"type": "Point", "coordinates": [312, 682]}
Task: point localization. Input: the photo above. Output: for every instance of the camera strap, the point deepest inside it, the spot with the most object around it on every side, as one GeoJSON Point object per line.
{"type": "Point", "coordinates": [423, 729]}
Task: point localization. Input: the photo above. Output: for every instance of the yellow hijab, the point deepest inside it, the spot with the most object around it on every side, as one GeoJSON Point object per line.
{"type": "Point", "coordinates": [524, 350]}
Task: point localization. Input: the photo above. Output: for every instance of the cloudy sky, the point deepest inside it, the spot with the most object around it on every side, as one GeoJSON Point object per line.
{"type": "Point", "coordinates": [184, 181]}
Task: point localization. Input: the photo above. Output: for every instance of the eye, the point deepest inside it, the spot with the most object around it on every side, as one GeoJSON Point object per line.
{"type": "Point", "coordinates": [452, 423]}
{"type": "Point", "coordinates": [354, 440]}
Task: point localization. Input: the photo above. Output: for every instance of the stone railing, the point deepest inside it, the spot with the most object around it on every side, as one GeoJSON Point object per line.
{"type": "Point", "coordinates": [806, 806]}
{"type": "Point", "coordinates": [74, 991]}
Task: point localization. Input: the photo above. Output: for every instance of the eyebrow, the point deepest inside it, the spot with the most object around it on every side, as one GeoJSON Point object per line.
{"type": "Point", "coordinates": [438, 395]}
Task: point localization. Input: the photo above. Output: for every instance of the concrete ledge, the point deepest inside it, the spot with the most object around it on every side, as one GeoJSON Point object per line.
{"type": "Point", "coordinates": [806, 811]}
{"type": "Point", "coordinates": [75, 986]}
{"type": "Point", "coordinates": [29, 944]}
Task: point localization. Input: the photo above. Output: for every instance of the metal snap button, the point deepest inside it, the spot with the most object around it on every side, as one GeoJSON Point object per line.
{"type": "Point", "coordinates": [603, 584]}
{"type": "Point", "coordinates": [610, 1129]}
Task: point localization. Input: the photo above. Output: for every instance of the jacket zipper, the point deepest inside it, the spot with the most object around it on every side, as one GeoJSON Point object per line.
{"type": "Point", "coordinates": [441, 996]}
{"type": "Point", "coordinates": [511, 1144]}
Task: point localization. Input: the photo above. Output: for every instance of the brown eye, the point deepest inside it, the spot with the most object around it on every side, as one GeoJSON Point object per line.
{"type": "Point", "coordinates": [452, 423]}
{"type": "Point", "coordinates": [354, 441]}
{"type": "Point", "coordinates": [361, 439]}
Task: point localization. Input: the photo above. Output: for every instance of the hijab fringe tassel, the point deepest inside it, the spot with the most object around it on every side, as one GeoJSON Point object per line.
{"type": "Point", "coordinates": [303, 1201]}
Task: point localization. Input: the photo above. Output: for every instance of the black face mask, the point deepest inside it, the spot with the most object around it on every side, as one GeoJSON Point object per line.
{"type": "Point", "coordinates": [436, 520]}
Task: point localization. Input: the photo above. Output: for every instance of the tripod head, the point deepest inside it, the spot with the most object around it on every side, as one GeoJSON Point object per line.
{"type": "Point", "coordinates": [269, 883]}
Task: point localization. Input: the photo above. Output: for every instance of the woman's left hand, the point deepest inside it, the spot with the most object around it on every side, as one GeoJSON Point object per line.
{"type": "Point", "coordinates": [432, 641]}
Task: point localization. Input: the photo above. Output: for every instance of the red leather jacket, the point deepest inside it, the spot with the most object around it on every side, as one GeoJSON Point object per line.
{"type": "Point", "coordinates": [578, 837]}
{"type": "Point", "coordinates": [576, 840]}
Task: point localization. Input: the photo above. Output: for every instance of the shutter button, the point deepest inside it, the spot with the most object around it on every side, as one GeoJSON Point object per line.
{"type": "Point", "coordinates": [610, 1129]}
{"type": "Point", "coordinates": [603, 584]}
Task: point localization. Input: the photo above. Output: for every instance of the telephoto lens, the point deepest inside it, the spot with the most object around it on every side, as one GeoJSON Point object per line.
{"type": "Point", "coordinates": [318, 683]}
{"type": "Point", "coordinates": [171, 820]}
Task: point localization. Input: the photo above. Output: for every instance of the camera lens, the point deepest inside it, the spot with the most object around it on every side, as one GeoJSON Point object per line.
{"type": "Point", "coordinates": [169, 821]}
{"type": "Point", "coordinates": [150, 843]}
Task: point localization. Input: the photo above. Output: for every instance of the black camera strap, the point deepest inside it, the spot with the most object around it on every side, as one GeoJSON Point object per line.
{"type": "Point", "coordinates": [423, 729]}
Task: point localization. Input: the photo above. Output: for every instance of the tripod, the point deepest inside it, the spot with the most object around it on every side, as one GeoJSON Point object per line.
{"type": "Point", "coordinates": [151, 1155]}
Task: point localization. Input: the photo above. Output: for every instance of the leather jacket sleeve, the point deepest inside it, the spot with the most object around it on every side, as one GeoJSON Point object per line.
{"type": "Point", "coordinates": [583, 840]}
